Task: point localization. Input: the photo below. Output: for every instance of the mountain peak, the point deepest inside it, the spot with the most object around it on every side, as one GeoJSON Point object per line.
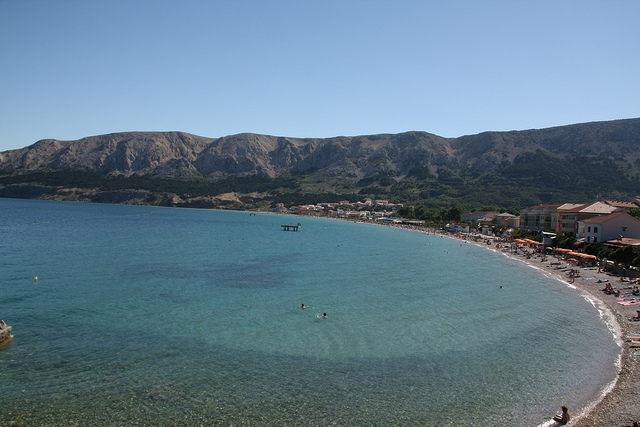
{"type": "Point", "coordinates": [382, 159]}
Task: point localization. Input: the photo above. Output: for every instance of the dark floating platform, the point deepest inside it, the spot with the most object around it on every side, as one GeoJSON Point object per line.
{"type": "Point", "coordinates": [290, 227]}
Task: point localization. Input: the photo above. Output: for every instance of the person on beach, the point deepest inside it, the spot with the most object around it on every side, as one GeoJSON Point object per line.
{"type": "Point", "coordinates": [564, 417]}
{"type": "Point", "coordinates": [2, 324]}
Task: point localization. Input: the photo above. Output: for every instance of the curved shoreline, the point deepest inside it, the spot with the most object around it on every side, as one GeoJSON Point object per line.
{"type": "Point", "coordinates": [619, 405]}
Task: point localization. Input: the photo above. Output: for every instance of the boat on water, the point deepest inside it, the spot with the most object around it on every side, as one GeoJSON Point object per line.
{"type": "Point", "coordinates": [5, 333]}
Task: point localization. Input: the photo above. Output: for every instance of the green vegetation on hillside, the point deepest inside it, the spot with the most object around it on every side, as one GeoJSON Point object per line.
{"type": "Point", "coordinates": [577, 163]}
{"type": "Point", "coordinates": [533, 178]}
{"type": "Point", "coordinates": [89, 179]}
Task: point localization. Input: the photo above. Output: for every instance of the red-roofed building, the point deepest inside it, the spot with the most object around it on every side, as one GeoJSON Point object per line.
{"type": "Point", "coordinates": [615, 226]}
{"type": "Point", "coordinates": [625, 206]}
{"type": "Point", "coordinates": [540, 218]}
{"type": "Point", "coordinates": [507, 220]}
{"type": "Point", "coordinates": [568, 219]}
{"type": "Point", "coordinates": [621, 243]}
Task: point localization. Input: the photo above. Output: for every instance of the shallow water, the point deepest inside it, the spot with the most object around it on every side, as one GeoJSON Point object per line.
{"type": "Point", "coordinates": [177, 316]}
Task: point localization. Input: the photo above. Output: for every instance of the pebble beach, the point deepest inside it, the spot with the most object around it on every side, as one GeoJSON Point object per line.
{"type": "Point", "coordinates": [621, 406]}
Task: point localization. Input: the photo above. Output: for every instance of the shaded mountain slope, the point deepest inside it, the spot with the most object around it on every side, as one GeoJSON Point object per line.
{"type": "Point", "coordinates": [546, 164]}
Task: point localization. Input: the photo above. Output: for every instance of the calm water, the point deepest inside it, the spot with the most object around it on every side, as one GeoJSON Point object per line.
{"type": "Point", "coordinates": [163, 316]}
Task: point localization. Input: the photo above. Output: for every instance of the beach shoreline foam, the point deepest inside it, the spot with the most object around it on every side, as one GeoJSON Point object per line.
{"type": "Point", "coordinates": [619, 404]}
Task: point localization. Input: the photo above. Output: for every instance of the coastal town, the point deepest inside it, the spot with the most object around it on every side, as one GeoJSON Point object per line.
{"type": "Point", "coordinates": [604, 225]}
{"type": "Point", "coordinates": [602, 221]}
{"type": "Point", "coordinates": [367, 209]}
{"type": "Point", "coordinates": [600, 257]}
{"type": "Point", "coordinates": [320, 213]}
{"type": "Point", "coordinates": [615, 286]}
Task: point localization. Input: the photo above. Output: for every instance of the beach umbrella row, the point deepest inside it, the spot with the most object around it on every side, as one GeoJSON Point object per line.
{"type": "Point", "coordinates": [575, 255]}
{"type": "Point", "coordinates": [581, 255]}
{"type": "Point", "coordinates": [527, 241]}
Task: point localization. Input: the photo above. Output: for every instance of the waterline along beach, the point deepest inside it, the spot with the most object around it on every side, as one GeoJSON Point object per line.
{"type": "Point", "coordinates": [272, 213]}
{"type": "Point", "coordinates": [620, 406]}
{"type": "Point", "coordinates": [179, 316]}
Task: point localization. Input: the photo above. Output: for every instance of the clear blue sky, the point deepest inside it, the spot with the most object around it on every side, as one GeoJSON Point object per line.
{"type": "Point", "coordinates": [313, 68]}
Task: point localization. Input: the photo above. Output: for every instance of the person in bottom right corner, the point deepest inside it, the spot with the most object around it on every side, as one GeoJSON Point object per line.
{"type": "Point", "coordinates": [564, 417]}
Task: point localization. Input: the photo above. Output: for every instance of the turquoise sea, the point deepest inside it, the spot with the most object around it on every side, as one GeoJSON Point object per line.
{"type": "Point", "coordinates": [165, 316]}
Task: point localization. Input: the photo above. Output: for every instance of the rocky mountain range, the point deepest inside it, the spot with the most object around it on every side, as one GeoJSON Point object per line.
{"type": "Point", "coordinates": [384, 164]}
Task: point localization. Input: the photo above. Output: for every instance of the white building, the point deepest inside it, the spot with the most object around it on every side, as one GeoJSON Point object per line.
{"type": "Point", "coordinates": [609, 227]}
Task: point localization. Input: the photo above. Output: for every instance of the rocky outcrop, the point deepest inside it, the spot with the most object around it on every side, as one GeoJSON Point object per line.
{"type": "Point", "coordinates": [179, 155]}
{"type": "Point", "coordinates": [119, 153]}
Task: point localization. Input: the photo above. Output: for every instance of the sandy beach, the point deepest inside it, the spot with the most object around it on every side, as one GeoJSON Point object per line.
{"type": "Point", "coordinates": [621, 406]}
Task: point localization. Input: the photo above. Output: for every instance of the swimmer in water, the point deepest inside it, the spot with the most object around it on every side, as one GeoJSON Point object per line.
{"type": "Point", "coordinates": [324, 315]}
{"type": "Point", "coordinates": [304, 307]}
